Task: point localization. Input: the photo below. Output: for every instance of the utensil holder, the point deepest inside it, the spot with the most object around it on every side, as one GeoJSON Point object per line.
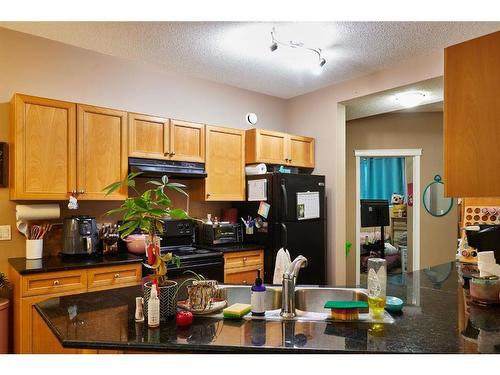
{"type": "Point", "coordinates": [34, 249]}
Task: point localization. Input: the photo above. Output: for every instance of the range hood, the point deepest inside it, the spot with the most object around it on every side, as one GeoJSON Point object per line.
{"type": "Point", "coordinates": [158, 168]}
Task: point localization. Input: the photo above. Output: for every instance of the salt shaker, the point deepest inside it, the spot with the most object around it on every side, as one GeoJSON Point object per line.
{"type": "Point", "coordinates": [139, 312]}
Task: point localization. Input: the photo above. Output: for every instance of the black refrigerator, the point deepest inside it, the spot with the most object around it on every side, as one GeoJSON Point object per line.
{"type": "Point", "coordinates": [296, 221]}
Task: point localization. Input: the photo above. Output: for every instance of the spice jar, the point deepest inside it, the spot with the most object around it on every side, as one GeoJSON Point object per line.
{"type": "Point", "coordinates": [485, 290]}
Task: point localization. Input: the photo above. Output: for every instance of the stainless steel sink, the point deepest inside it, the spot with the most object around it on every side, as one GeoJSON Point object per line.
{"type": "Point", "coordinates": [313, 299]}
{"type": "Point", "coordinates": [242, 293]}
{"type": "Point", "coordinates": [309, 301]}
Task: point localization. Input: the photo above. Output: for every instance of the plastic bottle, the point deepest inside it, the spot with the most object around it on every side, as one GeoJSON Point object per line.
{"type": "Point", "coordinates": [258, 297]}
{"type": "Point", "coordinates": [153, 308]}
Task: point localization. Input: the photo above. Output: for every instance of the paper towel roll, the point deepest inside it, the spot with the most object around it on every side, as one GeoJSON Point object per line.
{"type": "Point", "coordinates": [32, 212]}
{"type": "Point", "coordinates": [37, 212]}
{"type": "Point", "coordinates": [255, 169]}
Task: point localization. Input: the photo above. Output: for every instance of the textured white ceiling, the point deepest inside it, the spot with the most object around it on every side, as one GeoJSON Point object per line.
{"type": "Point", "coordinates": [237, 53]}
{"type": "Point", "coordinates": [384, 101]}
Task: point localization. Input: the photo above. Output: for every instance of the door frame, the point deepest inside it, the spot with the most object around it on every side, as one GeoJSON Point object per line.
{"type": "Point", "coordinates": [415, 154]}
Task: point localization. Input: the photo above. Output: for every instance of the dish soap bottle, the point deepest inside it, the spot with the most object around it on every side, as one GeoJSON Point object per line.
{"type": "Point", "coordinates": [153, 308]}
{"type": "Point", "coordinates": [258, 297]}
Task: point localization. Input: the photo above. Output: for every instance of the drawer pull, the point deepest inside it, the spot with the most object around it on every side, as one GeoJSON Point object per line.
{"type": "Point", "coordinates": [244, 259]}
{"type": "Point", "coordinates": [116, 276]}
{"type": "Point", "coordinates": [56, 282]}
{"type": "Point", "coordinates": [244, 282]}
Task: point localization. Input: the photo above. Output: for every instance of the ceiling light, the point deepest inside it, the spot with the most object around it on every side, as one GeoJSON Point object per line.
{"type": "Point", "coordinates": [293, 44]}
{"type": "Point", "coordinates": [411, 98]}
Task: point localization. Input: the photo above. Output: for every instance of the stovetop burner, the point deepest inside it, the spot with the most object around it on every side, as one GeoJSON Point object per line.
{"type": "Point", "coordinates": [189, 251]}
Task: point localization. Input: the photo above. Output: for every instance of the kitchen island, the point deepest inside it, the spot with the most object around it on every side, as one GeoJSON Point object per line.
{"type": "Point", "coordinates": [438, 317]}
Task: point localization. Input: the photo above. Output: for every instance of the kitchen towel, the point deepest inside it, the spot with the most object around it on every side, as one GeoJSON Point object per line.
{"type": "Point", "coordinates": [30, 212]}
{"type": "Point", "coordinates": [487, 264]}
{"type": "Point", "coordinates": [282, 262]}
{"type": "Point", "coordinates": [255, 169]}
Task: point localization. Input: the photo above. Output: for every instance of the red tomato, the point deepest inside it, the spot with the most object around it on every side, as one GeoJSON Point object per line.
{"type": "Point", "coordinates": [184, 318]}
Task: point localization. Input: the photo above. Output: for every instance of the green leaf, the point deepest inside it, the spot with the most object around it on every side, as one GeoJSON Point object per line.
{"type": "Point", "coordinates": [176, 184]}
{"type": "Point", "coordinates": [154, 183]}
{"type": "Point", "coordinates": [178, 213]}
{"type": "Point", "coordinates": [177, 189]}
{"type": "Point", "coordinates": [128, 225]}
{"type": "Point", "coordinates": [111, 188]}
{"type": "Point", "coordinates": [164, 179]}
{"type": "Point", "coordinates": [146, 195]}
{"type": "Point", "coordinates": [128, 231]}
{"type": "Point", "coordinates": [116, 210]}
{"type": "Point", "coordinates": [141, 205]}
{"type": "Point", "coordinates": [133, 175]}
{"type": "Point", "coordinates": [158, 212]}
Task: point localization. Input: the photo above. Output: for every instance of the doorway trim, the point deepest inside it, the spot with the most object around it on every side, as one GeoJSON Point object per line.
{"type": "Point", "coordinates": [415, 153]}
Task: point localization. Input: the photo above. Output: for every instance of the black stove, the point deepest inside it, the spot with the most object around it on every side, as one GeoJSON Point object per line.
{"type": "Point", "coordinates": [177, 238]}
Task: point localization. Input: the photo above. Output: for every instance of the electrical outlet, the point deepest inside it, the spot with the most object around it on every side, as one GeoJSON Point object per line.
{"type": "Point", "coordinates": [5, 233]}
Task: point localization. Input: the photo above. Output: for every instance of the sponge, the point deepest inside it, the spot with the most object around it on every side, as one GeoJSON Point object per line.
{"type": "Point", "coordinates": [236, 311]}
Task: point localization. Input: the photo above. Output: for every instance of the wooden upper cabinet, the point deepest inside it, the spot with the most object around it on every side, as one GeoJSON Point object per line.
{"type": "Point", "coordinates": [271, 147]}
{"type": "Point", "coordinates": [149, 136]}
{"type": "Point", "coordinates": [472, 118]}
{"type": "Point", "coordinates": [42, 148]}
{"type": "Point", "coordinates": [163, 139]}
{"type": "Point", "coordinates": [266, 146]}
{"type": "Point", "coordinates": [187, 141]}
{"type": "Point", "coordinates": [225, 150]}
{"type": "Point", "coordinates": [102, 151]}
{"type": "Point", "coordinates": [301, 151]}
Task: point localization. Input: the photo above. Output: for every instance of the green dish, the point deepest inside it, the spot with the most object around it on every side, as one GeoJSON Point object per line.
{"type": "Point", "coordinates": [393, 304]}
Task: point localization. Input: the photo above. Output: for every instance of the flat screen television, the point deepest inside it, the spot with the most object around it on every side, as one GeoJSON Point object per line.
{"type": "Point", "coordinates": [374, 213]}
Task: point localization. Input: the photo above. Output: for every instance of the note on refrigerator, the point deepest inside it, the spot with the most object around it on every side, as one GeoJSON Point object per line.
{"type": "Point", "coordinates": [257, 190]}
{"type": "Point", "coordinates": [308, 205]}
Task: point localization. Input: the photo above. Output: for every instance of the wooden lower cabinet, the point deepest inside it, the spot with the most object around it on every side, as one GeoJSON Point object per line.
{"type": "Point", "coordinates": [31, 335]}
{"type": "Point", "coordinates": [241, 267]}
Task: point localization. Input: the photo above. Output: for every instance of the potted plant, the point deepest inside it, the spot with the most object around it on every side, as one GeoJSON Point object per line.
{"type": "Point", "coordinates": [146, 212]}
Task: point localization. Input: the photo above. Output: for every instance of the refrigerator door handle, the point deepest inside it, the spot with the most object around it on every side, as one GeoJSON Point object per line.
{"type": "Point", "coordinates": [284, 236]}
{"type": "Point", "coordinates": [285, 198]}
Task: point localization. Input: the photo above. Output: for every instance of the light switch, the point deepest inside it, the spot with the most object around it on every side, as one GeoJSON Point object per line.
{"type": "Point", "coordinates": [5, 233]}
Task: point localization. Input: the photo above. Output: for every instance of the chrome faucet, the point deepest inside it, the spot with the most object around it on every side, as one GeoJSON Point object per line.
{"type": "Point", "coordinates": [289, 280]}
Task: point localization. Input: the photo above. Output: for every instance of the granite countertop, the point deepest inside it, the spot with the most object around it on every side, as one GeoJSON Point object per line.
{"type": "Point", "coordinates": [63, 263]}
{"type": "Point", "coordinates": [438, 317]}
{"type": "Point", "coordinates": [232, 247]}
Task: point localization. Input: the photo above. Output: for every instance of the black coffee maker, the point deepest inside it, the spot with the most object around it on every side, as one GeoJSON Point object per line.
{"type": "Point", "coordinates": [80, 236]}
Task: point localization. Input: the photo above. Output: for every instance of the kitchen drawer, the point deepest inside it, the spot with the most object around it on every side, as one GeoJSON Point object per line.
{"type": "Point", "coordinates": [243, 259]}
{"type": "Point", "coordinates": [113, 277]}
{"type": "Point", "coordinates": [54, 282]}
{"type": "Point", "coordinates": [244, 276]}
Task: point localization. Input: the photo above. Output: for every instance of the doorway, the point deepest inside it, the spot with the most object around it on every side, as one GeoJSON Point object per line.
{"type": "Point", "coordinates": [409, 188]}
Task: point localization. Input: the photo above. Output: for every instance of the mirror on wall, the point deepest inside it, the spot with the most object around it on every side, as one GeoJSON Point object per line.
{"type": "Point", "coordinates": [434, 200]}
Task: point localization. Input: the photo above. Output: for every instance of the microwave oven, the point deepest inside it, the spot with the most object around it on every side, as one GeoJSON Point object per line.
{"type": "Point", "coordinates": [221, 233]}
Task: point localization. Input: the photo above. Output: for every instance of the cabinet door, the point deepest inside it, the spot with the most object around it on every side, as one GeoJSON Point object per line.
{"type": "Point", "coordinates": [148, 136]}
{"type": "Point", "coordinates": [42, 148]}
{"type": "Point", "coordinates": [472, 118]}
{"type": "Point", "coordinates": [266, 146]}
{"type": "Point", "coordinates": [187, 141]}
{"type": "Point", "coordinates": [301, 151]}
{"type": "Point", "coordinates": [102, 151]}
{"type": "Point", "coordinates": [225, 164]}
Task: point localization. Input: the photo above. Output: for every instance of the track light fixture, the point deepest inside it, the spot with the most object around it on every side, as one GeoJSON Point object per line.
{"type": "Point", "coordinates": [292, 44]}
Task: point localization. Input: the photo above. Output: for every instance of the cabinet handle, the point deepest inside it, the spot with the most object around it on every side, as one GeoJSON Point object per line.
{"type": "Point", "coordinates": [172, 153]}
{"type": "Point", "coordinates": [208, 194]}
{"type": "Point", "coordinates": [244, 282]}
{"type": "Point", "coordinates": [56, 282]}
{"type": "Point", "coordinates": [166, 154]}
{"type": "Point", "coordinates": [244, 259]}
{"type": "Point", "coordinates": [72, 192]}
{"type": "Point", "coordinates": [81, 191]}
{"type": "Point", "coordinates": [116, 276]}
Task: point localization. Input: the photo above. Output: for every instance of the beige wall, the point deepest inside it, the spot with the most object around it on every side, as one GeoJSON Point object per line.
{"type": "Point", "coordinates": [321, 115]}
{"type": "Point", "coordinates": [38, 66]}
{"type": "Point", "coordinates": [403, 130]}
